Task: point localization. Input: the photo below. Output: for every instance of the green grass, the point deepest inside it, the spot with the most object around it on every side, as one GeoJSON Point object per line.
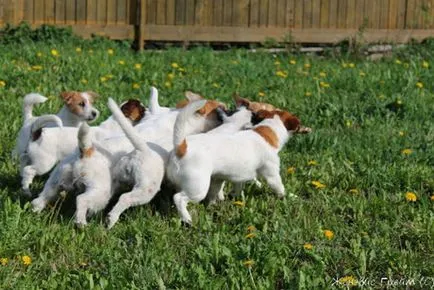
{"type": "Point", "coordinates": [356, 143]}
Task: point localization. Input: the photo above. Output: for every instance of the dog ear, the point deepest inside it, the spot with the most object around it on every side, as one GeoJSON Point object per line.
{"type": "Point", "coordinates": [291, 122]}
{"type": "Point", "coordinates": [67, 96]}
{"type": "Point", "coordinates": [92, 96]}
{"type": "Point", "coordinates": [189, 95]}
{"type": "Point", "coordinates": [240, 101]}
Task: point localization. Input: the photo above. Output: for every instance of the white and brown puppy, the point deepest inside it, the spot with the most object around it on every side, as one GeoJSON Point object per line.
{"type": "Point", "coordinates": [200, 163]}
{"type": "Point", "coordinates": [51, 145]}
{"type": "Point", "coordinates": [143, 169]}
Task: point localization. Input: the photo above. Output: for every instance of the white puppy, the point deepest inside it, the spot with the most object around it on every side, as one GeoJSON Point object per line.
{"type": "Point", "coordinates": [53, 144]}
{"type": "Point", "coordinates": [200, 163]}
{"type": "Point", "coordinates": [143, 169]}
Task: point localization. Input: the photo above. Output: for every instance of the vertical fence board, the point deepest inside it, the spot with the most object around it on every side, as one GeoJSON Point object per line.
{"type": "Point", "coordinates": [203, 13]}
{"type": "Point", "coordinates": [272, 13]}
{"type": "Point", "coordinates": [290, 10]}
{"type": "Point", "coordinates": [281, 12]}
{"type": "Point", "coordinates": [227, 12]}
{"type": "Point", "coordinates": [111, 12]}
{"type": "Point", "coordinates": [49, 11]}
{"type": "Point", "coordinates": [81, 11]}
{"type": "Point", "coordinates": [333, 13]}
{"type": "Point", "coordinates": [263, 13]}
{"type": "Point", "coordinates": [217, 18]}
{"type": "Point", "coordinates": [351, 14]}
{"type": "Point", "coordinates": [316, 13]}
{"type": "Point", "coordinates": [121, 11]}
{"type": "Point", "coordinates": [180, 12]}
{"type": "Point", "coordinates": [307, 14]}
{"type": "Point", "coordinates": [151, 9]}
{"type": "Point", "coordinates": [400, 21]}
{"type": "Point", "coordinates": [384, 14]}
{"type": "Point", "coordinates": [189, 12]}
{"type": "Point", "coordinates": [170, 12]}
{"type": "Point", "coordinates": [28, 11]}
{"type": "Point", "coordinates": [324, 17]}
{"type": "Point", "coordinates": [38, 13]}
{"type": "Point", "coordinates": [431, 14]}
{"type": "Point", "coordinates": [101, 14]}
{"type": "Point", "coordinates": [254, 13]}
{"type": "Point", "coordinates": [409, 14]}
{"type": "Point", "coordinates": [161, 12]}
{"type": "Point", "coordinates": [243, 12]}
{"type": "Point", "coordinates": [342, 13]}
{"type": "Point", "coordinates": [298, 15]}
{"type": "Point", "coordinates": [91, 10]}
{"type": "Point", "coordinates": [360, 14]}
{"type": "Point", "coordinates": [392, 14]}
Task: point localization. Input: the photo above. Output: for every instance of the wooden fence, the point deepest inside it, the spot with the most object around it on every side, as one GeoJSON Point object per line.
{"type": "Point", "coordinates": [302, 21]}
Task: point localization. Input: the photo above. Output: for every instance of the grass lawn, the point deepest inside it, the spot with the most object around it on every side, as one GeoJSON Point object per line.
{"type": "Point", "coordinates": [354, 220]}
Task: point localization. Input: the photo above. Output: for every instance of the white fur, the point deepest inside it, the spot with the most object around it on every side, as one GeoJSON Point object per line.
{"type": "Point", "coordinates": [212, 158]}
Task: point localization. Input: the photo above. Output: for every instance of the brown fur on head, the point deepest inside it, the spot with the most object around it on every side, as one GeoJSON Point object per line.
{"type": "Point", "coordinates": [189, 97]}
{"type": "Point", "coordinates": [74, 101]}
{"type": "Point", "coordinates": [291, 122]}
{"type": "Point", "coordinates": [133, 110]}
{"type": "Point", "coordinates": [252, 106]}
{"type": "Point", "coordinates": [210, 107]}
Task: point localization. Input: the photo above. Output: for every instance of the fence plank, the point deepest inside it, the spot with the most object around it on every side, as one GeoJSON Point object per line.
{"type": "Point", "coordinates": [91, 12]}
{"type": "Point", "coordinates": [241, 13]}
{"type": "Point", "coordinates": [307, 14]}
{"type": "Point", "coordinates": [189, 12]}
{"type": "Point", "coordinates": [254, 13]}
{"type": "Point", "coordinates": [316, 13]}
{"type": "Point", "coordinates": [409, 14]}
{"type": "Point", "coordinates": [81, 11]}
{"type": "Point", "coordinates": [281, 12]}
{"type": "Point", "coordinates": [49, 12]}
{"type": "Point", "coordinates": [342, 13]}
{"type": "Point", "coordinates": [290, 10]}
{"type": "Point", "coordinates": [151, 9]}
{"type": "Point", "coordinates": [333, 14]}
{"type": "Point", "coordinates": [161, 12]}
{"type": "Point", "coordinates": [360, 14]}
{"type": "Point", "coordinates": [121, 11]}
{"type": "Point", "coordinates": [170, 12]}
{"type": "Point", "coordinates": [351, 14]}
{"type": "Point", "coordinates": [384, 14]}
{"type": "Point", "coordinates": [28, 11]}
{"type": "Point", "coordinates": [217, 18]}
{"type": "Point", "coordinates": [392, 14]}
{"type": "Point", "coordinates": [38, 13]}
{"type": "Point", "coordinates": [324, 17]}
{"type": "Point", "coordinates": [227, 12]}
{"type": "Point", "coordinates": [101, 14]}
{"type": "Point", "coordinates": [180, 12]}
{"type": "Point", "coordinates": [298, 16]}
{"type": "Point", "coordinates": [272, 13]}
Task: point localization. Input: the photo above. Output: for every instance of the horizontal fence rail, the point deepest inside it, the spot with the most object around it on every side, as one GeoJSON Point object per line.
{"type": "Point", "coordinates": [303, 21]}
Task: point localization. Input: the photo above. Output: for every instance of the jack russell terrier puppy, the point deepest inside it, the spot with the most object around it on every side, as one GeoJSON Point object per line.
{"type": "Point", "coordinates": [199, 164]}
{"type": "Point", "coordinates": [143, 169]}
{"type": "Point", "coordinates": [89, 169]}
{"type": "Point", "coordinates": [53, 144]}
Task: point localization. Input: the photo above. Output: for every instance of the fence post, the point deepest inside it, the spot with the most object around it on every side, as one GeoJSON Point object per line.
{"type": "Point", "coordinates": [140, 24]}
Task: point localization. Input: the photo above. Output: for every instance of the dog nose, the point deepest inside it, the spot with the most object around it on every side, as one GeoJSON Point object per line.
{"type": "Point", "coordinates": [93, 114]}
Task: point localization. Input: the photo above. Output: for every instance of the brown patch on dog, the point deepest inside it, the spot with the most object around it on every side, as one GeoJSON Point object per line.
{"type": "Point", "coordinates": [36, 134]}
{"type": "Point", "coordinates": [253, 106]}
{"type": "Point", "coordinates": [210, 107]}
{"type": "Point", "coordinates": [92, 96]}
{"type": "Point", "coordinates": [74, 101]}
{"type": "Point", "coordinates": [87, 153]}
{"type": "Point", "coordinates": [189, 97]}
{"type": "Point", "coordinates": [268, 134]}
{"type": "Point", "coordinates": [181, 150]}
{"type": "Point", "coordinates": [181, 104]}
{"type": "Point", "coordinates": [133, 110]}
{"type": "Point", "coordinates": [291, 122]}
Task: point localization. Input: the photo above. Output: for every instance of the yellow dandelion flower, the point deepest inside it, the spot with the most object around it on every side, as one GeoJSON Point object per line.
{"type": "Point", "coordinates": [312, 162]}
{"type": "Point", "coordinates": [401, 133]}
{"type": "Point", "coordinates": [381, 97]}
{"type": "Point", "coordinates": [39, 54]}
{"type": "Point", "coordinates": [103, 79]}
{"type": "Point", "coordinates": [348, 281]}
{"type": "Point", "coordinates": [239, 203]}
{"type": "Point", "coordinates": [351, 65]}
{"type": "Point", "coordinates": [322, 74]}
{"type": "Point", "coordinates": [307, 65]}
{"type": "Point", "coordinates": [26, 260]}
{"type": "Point", "coordinates": [261, 94]}
{"type": "Point", "coordinates": [328, 234]}
{"type": "Point", "coordinates": [308, 246]}
{"type": "Point", "coordinates": [110, 76]}
{"type": "Point", "coordinates": [419, 85]}
{"type": "Point", "coordinates": [348, 123]}
{"type": "Point", "coordinates": [234, 61]}
{"type": "Point", "coordinates": [277, 62]}
{"type": "Point", "coordinates": [344, 65]}
{"type": "Point", "coordinates": [137, 66]}
{"type": "Point", "coordinates": [318, 185]}
{"type": "Point", "coordinates": [425, 64]}
{"type": "Point", "coordinates": [248, 263]}
{"type": "Point", "coordinates": [90, 51]}
{"type": "Point", "coordinates": [292, 61]}
{"type": "Point", "coordinates": [4, 261]}
{"type": "Point", "coordinates": [308, 94]}
{"type": "Point", "coordinates": [410, 196]}
{"type": "Point", "coordinates": [399, 102]}
{"type": "Point", "coordinates": [84, 81]}
{"type": "Point", "coordinates": [281, 74]}
{"type": "Point", "coordinates": [324, 85]}
{"type": "Point", "coordinates": [168, 84]}
{"type": "Point", "coordinates": [110, 51]}
{"type": "Point", "coordinates": [250, 235]}
{"type": "Point", "coordinates": [290, 170]}
{"type": "Point", "coordinates": [170, 76]}
{"type": "Point", "coordinates": [78, 49]}
{"type": "Point", "coordinates": [136, 86]}
{"type": "Point", "coordinates": [2, 84]}
{"type": "Point", "coordinates": [36, 67]}
{"type": "Point", "coordinates": [362, 74]}
{"type": "Point", "coordinates": [406, 151]}
{"type": "Point", "coordinates": [251, 228]}
{"type": "Point", "coordinates": [354, 191]}
{"type": "Point", "coordinates": [121, 62]}
{"type": "Point", "coordinates": [181, 69]}
{"type": "Point", "coordinates": [174, 65]}
{"type": "Point", "coordinates": [54, 52]}
{"type": "Point", "coordinates": [432, 197]}
{"type": "Point", "coordinates": [397, 61]}
{"type": "Point", "coordinates": [215, 85]}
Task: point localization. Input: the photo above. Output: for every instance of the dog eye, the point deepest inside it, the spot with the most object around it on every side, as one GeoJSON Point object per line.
{"type": "Point", "coordinates": [81, 104]}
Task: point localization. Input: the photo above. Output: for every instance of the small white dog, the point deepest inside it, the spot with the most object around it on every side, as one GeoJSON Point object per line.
{"type": "Point", "coordinates": [200, 163]}
{"type": "Point", "coordinates": [53, 144]}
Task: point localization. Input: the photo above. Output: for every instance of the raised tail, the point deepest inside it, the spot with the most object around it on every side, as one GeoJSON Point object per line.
{"type": "Point", "coordinates": [184, 116]}
{"type": "Point", "coordinates": [85, 141]}
{"type": "Point", "coordinates": [126, 126]}
{"type": "Point", "coordinates": [42, 121]}
{"type": "Point", "coordinates": [29, 101]}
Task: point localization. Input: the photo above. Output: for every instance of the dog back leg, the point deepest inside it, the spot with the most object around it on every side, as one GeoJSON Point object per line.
{"type": "Point", "coordinates": [89, 202]}
{"type": "Point", "coordinates": [136, 197]}
{"type": "Point", "coordinates": [272, 177]}
{"type": "Point", "coordinates": [215, 191]}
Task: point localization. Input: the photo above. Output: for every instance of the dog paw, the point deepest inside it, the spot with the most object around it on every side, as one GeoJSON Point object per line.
{"type": "Point", "coordinates": [80, 224]}
{"type": "Point", "coordinates": [38, 205]}
{"type": "Point", "coordinates": [187, 224]}
{"type": "Point", "coordinates": [110, 221]}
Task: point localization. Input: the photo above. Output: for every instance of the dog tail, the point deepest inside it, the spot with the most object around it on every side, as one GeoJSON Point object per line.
{"type": "Point", "coordinates": [179, 131]}
{"type": "Point", "coordinates": [154, 106]}
{"type": "Point", "coordinates": [126, 126]}
{"type": "Point", "coordinates": [42, 121]}
{"type": "Point", "coordinates": [85, 141]}
{"type": "Point", "coordinates": [29, 101]}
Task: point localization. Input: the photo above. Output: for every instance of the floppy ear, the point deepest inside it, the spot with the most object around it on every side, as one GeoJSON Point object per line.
{"type": "Point", "coordinates": [193, 96]}
{"type": "Point", "coordinates": [291, 122]}
{"type": "Point", "coordinates": [92, 96]}
{"type": "Point", "coordinates": [240, 101]}
{"type": "Point", "coordinates": [67, 96]}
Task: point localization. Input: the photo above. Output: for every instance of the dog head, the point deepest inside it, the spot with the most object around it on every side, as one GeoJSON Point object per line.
{"type": "Point", "coordinates": [81, 104]}
{"type": "Point", "coordinates": [291, 122]}
{"type": "Point", "coordinates": [133, 110]}
{"type": "Point", "coordinates": [252, 106]}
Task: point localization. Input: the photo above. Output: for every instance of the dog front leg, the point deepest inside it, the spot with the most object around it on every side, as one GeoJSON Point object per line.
{"type": "Point", "coordinates": [28, 174]}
